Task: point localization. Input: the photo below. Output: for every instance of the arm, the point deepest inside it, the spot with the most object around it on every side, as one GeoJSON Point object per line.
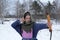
{"type": "Point", "coordinates": [41, 26]}
{"type": "Point", "coordinates": [17, 22]}
{"type": "Point", "coordinates": [16, 25]}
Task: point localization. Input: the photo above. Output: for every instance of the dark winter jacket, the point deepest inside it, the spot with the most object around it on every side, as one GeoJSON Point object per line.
{"type": "Point", "coordinates": [36, 27]}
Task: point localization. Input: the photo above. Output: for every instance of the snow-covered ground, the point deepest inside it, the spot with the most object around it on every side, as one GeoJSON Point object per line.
{"type": "Point", "coordinates": [8, 33]}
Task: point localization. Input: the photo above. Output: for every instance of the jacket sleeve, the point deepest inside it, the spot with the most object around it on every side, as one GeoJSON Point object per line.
{"type": "Point", "coordinates": [17, 26]}
{"type": "Point", "coordinates": [41, 26]}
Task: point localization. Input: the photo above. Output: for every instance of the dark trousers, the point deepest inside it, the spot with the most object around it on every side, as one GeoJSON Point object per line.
{"type": "Point", "coordinates": [29, 39]}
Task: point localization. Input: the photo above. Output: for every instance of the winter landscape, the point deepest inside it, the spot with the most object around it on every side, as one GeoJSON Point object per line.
{"type": "Point", "coordinates": [11, 10]}
{"type": "Point", "coordinates": [8, 33]}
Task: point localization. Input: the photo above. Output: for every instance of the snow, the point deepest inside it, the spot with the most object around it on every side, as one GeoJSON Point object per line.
{"type": "Point", "coordinates": [8, 33]}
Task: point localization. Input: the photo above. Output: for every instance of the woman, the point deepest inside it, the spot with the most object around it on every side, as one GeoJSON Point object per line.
{"type": "Point", "coordinates": [27, 28]}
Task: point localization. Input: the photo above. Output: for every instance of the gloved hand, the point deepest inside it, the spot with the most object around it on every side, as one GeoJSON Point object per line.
{"type": "Point", "coordinates": [49, 26]}
{"type": "Point", "coordinates": [50, 30]}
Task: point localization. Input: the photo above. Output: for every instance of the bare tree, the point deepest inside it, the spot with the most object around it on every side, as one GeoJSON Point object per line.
{"type": "Point", "coordinates": [2, 7]}
{"type": "Point", "coordinates": [36, 7]}
{"type": "Point", "coordinates": [19, 9]}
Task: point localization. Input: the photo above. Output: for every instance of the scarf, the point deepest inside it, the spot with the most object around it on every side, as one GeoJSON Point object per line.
{"type": "Point", "coordinates": [27, 26]}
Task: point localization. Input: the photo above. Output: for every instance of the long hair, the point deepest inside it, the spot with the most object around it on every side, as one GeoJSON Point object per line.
{"type": "Point", "coordinates": [27, 27]}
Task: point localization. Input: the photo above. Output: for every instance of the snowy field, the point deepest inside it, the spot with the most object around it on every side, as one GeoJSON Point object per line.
{"type": "Point", "coordinates": [8, 33]}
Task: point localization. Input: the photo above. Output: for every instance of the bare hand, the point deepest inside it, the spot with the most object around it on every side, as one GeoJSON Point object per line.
{"type": "Point", "coordinates": [22, 20]}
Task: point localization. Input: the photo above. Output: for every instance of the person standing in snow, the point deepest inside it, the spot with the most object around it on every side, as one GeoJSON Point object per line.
{"type": "Point", "coordinates": [27, 28]}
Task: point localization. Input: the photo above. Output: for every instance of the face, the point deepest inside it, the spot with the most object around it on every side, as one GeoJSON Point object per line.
{"type": "Point", "coordinates": [27, 18]}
